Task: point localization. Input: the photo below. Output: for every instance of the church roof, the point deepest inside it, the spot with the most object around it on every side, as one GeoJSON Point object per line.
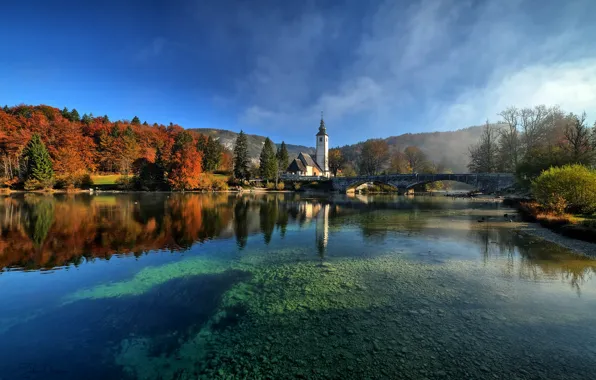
{"type": "Point", "coordinates": [307, 160]}
{"type": "Point", "coordinates": [296, 166]}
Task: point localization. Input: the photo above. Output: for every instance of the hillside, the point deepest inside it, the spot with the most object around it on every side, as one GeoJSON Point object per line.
{"type": "Point", "coordinates": [449, 148]}
{"type": "Point", "coordinates": [255, 143]}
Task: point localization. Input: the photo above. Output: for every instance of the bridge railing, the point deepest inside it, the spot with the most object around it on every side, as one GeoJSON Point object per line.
{"type": "Point", "coordinates": [296, 177]}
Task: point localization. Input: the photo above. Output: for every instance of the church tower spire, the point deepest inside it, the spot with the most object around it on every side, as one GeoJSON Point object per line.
{"type": "Point", "coordinates": [322, 153]}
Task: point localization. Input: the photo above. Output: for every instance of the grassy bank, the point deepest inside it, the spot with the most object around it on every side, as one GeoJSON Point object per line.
{"type": "Point", "coordinates": [582, 227]}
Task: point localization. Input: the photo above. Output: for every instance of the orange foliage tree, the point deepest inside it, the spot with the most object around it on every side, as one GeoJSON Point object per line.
{"type": "Point", "coordinates": [87, 144]}
{"type": "Point", "coordinates": [185, 165]}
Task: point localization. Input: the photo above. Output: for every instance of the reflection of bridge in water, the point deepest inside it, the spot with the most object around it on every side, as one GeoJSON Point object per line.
{"type": "Point", "coordinates": [486, 182]}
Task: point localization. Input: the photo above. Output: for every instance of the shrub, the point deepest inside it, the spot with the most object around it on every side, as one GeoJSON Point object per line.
{"type": "Point", "coordinates": [33, 184]}
{"type": "Point", "coordinates": [72, 181]}
{"type": "Point", "coordinates": [219, 184]}
{"type": "Point", "coordinates": [270, 186]}
{"type": "Point", "coordinates": [296, 186]}
{"type": "Point", "coordinates": [571, 188]}
{"type": "Point", "coordinates": [125, 183]}
{"type": "Point", "coordinates": [280, 186]}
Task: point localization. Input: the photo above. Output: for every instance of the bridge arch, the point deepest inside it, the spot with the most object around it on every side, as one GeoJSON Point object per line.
{"type": "Point", "coordinates": [355, 185]}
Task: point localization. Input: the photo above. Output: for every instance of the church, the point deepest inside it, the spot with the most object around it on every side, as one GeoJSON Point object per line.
{"type": "Point", "coordinates": [304, 165]}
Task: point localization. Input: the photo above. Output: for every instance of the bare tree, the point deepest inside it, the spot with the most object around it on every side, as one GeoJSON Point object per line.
{"type": "Point", "coordinates": [578, 140]}
{"type": "Point", "coordinates": [509, 139]}
{"type": "Point", "coordinates": [483, 155]}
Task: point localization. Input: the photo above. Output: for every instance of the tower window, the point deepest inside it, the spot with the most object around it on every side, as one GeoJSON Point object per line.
{"type": "Point", "coordinates": [320, 139]}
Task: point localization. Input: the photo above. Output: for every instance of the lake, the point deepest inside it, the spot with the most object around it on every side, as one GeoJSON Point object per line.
{"type": "Point", "coordinates": [227, 286]}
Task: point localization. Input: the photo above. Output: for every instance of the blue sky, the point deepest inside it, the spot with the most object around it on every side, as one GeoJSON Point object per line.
{"type": "Point", "coordinates": [376, 68]}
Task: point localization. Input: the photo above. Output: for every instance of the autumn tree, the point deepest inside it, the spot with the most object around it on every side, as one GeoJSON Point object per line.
{"type": "Point", "coordinates": [268, 161]}
{"type": "Point", "coordinates": [185, 166]}
{"type": "Point", "coordinates": [373, 157]}
{"type": "Point", "coordinates": [241, 163]}
{"type": "Point", "coordinates": [416, 159]}
{"type": "Point", "coordinates": [336, 161]}
{"type": "Point", "coordinates": [399, 163]}
{"type": "Point", "coordinates": [128, 150]}
{"type": "Point", "coordinates": [39, 172]}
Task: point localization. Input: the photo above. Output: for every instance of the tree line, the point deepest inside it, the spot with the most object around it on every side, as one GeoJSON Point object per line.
{"type": "Point", "coordinates": [42, 146]}
{"type": "Point", "coordinates": [527, 141]}
{"type": "Point", "coordinates": [272, 161]}
{"type": "Point", "coordinates": [375, 157]}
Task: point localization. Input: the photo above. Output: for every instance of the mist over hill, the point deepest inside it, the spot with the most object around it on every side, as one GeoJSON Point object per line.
{"type": "Point", "coordinates": [255, 142]}
{"type": "Point", "coordinates": [448, 148]}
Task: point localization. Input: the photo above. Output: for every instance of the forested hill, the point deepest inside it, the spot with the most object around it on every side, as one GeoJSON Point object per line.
{"type": "Point", "coordinates": [449, 149]}
{"type": "Point", "coordinates": [255, 142]}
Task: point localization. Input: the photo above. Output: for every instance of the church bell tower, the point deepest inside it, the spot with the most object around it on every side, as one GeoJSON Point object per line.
{"type": "Point", "coordinates": [322, 153]}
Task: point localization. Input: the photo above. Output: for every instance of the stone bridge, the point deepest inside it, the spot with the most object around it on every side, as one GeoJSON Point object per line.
{"type": "Point", "coordinates": [485, 182]}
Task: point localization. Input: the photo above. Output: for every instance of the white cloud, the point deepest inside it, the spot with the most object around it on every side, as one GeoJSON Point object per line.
{"type": "Point", "coordinates": [571, 85]}
{"type": "Point", "coordinates": [446, 64]}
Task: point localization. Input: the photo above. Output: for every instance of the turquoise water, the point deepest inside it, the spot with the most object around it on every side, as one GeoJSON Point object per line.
{"type": "Point", "coordinates": [172, 286]}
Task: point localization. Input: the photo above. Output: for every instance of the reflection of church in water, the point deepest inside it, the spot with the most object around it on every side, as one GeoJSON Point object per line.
{"type": "Point", "coordinates": [320, 214]}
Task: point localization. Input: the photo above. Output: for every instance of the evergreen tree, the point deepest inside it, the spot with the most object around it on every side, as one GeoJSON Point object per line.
{"type": "Point", "coordinates": [6, 109]}
{"type": "Point", "coordinates": [115, 132]}
{"type": "Point", "coordinates": [135, 121]}
{"type": "Point", "coordinates": [145, 123]}
{"type": "Point", "coordinates": [65, 113]}
{"type": "Point", "coordinates": [86, 119]}
{"type": "Point", "coordinates": [241, 164]}
{"type": "Point", "coordinates": [74, 115]}
{"type": "Point", "coordinates": [106, 119]}
{"type": "Point", "coordinates": [39, 166]}
{"type": "Point", "coordinates": [268, 161]}
{"type": "Point", "coordinates": [282, 157]}
{"type": "Point", "coordinates": [212, 153]}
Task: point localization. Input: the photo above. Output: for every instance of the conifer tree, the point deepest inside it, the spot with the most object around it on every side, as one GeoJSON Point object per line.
{"type": "Point", "coordinates": [268, 161]}
{"type": "Point", "coordinates": [86, 119]}
{"type": "Point", "coordinates": [282, 157]}
{"type": "Point", "coordinates": [6, 109]}
{"type": "Point", "coordinates": [135, 121]}
{"type": "Point", "coordinates": [74, 115]}
{"type": "Point", "coordinates": [39, 166]}
{"type": "Point", "coordinates": [241, 164]}
{"type": "Point", "coordinates": [212, 153]}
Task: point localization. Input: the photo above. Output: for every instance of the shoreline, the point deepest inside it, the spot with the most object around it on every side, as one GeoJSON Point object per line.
{"type": "Point", "coordinates": [580, 247]}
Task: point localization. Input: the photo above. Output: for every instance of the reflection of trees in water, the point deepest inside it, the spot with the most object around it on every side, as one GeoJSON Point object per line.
{"type": "Point", "coordinates": [267, 217]}
{"type": "Point", "coordinates": [46, 231]}
{"type": "Point", "coordinates": [240, 221]}
{"type": "Point", "coordinates": [39, 216]}
{"type": "Point", "coordinates": [529, 258]}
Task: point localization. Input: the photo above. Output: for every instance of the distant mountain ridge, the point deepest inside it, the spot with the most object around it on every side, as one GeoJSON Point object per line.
{"type": "Point", "coordinates": [449, 148]}
{"type": "Point", "coordinates": [255, 142]}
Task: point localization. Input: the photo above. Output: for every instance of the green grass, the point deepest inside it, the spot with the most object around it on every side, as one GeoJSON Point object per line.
{"type": "Point", "coordinates": [109, 179]}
